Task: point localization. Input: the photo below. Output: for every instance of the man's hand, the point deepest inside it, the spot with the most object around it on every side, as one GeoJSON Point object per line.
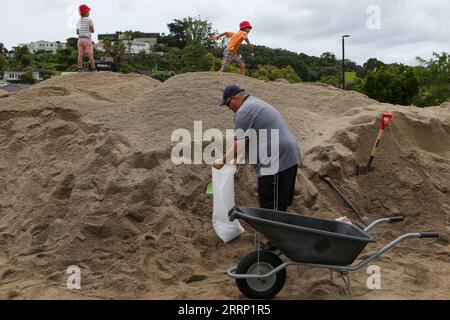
{"type": "Point", "coordinates": [214, 38]}
{"type": "Point", "coordinates": [218, 164]}
{"type": "Point", "coordinates": [251, 47]}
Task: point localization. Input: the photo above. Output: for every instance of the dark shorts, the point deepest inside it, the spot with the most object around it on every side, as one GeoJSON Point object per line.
{"type": "Point", "coordinates": [277, 192]}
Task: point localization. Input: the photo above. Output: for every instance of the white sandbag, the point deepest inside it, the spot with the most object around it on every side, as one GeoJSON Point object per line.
{"type": "Point", "coordinates": [223, 187]}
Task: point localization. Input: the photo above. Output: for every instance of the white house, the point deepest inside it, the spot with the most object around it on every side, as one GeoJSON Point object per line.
{"type": "Point", "coordinates": [134, 46]}
{"type": "Point", "coordinates": [152, 41]}
{"type": "Point", "coordinates": [44, 45]}
{"type": "Point", "coordinates": [138, 46]}
{"type": "Point", "coordinates": [14, 76]}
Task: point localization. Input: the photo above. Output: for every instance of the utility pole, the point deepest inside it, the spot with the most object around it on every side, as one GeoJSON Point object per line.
{"type": "Point", "coordinates": [343, 60]}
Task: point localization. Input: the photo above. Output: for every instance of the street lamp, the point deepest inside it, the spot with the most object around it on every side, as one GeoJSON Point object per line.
{"type": "Point", "coordinates": [343, 59]}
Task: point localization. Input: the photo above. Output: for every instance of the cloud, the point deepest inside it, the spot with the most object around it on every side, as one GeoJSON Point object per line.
{"type": "Point", "coordinates": [408, 28]}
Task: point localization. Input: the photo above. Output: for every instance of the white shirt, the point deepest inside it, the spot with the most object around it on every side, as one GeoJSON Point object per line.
{"type": "Point", "coordinates": [84, 26]}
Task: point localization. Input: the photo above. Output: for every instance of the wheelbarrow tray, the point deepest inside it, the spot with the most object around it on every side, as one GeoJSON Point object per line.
{"type": "Point", "coordinates": [307, 239]}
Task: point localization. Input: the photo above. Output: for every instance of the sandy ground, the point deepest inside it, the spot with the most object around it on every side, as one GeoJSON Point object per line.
{"type": "Point", "coordinates": [86, 179]}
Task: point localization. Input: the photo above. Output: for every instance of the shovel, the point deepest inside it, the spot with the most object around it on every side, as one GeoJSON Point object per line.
{"type": "Point", "coordinates": [386, 119]}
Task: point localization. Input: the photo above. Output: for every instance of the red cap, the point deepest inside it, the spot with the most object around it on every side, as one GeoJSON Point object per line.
{"type": "Point", "coordinates": [245, 24]}
{"type": "Point", "coordinates": [83, 9]}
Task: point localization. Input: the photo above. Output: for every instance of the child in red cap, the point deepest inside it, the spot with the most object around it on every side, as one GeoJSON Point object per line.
{"type": "Point", "coordinates": [230, 55]}
{"type": "Point", "coordinates": [85, 27]}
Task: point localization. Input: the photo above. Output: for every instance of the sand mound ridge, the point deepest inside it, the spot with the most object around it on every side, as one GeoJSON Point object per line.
{"type": "Point", "coordinates": [86, 179]}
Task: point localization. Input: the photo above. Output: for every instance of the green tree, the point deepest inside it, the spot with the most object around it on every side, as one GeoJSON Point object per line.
{"type": "Point", "coordinates": [199, 31]}
{"type": "Point", "coordinates": [119, 50]}
{"type": "Point", "coordinates": [331, 80]}
{"type": "Point", "coordinates": [27, 77]}
{"type": "Point", "coordinates": [307, 68]}
{"type": "Point", "coordinates": [46, 74]}
{"type": "Point", "coordinates": [163, 75]}
{"type": "Point", "coordinates": [3, 60]}
{"type": "Point", "coordinates": [72, 43]}
{"type": "Point", "coordinates": [434, 80]}
{"type": "Point", "coordinates": [107, 44]}
{"type": "Point", "coordinates": [396, 86]}
{"type": "Point", "coordinates": [272, 73]}
{"type": "Point", "coordinates": [22, 57]}
{"type": "Point", "coordinates": [196, 58]}
{"type": "Point", "coordinates": [371, 65]}
{"type": "Point", "coordinates": [186, 31]}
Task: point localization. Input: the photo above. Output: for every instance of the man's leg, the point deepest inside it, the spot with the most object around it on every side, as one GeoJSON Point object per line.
{"type": "Point", "coordinates": [286, 188]}
{"type": "Point", "coordinates": [277, 192]}
{"type": "Point", "coordinates": [266, 196]}
{"type": "Point", "coordinates": [266, 192]}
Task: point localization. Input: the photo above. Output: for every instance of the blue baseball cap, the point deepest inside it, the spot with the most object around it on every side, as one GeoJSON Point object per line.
{"type": "Point", "coordinates": [229, 92]}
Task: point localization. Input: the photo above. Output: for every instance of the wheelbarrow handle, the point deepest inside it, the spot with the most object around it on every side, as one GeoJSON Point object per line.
{"type": "Point", "coordinates": [374, 224]}
{"type": "Point", "coordinates": [429, 235]}
{"type": "Point", "coordinates": [391, 245]}
{"type": "Point", "coordinates": [396, 219]}
{"type": "Point", "coordinates": [386, 119]}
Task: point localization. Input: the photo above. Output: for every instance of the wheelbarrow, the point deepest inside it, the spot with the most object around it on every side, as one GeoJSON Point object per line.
{"type": "Point", "coordinates": [305, 242]}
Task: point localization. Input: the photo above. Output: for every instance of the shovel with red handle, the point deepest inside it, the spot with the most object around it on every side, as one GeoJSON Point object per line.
{"type": "Point", "coordinates": [386, 119]}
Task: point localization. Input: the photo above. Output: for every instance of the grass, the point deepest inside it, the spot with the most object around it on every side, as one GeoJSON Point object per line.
{"type": "Point", "coordinates": [350, 76]}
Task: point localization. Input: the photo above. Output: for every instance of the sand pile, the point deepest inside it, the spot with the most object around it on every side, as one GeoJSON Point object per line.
{"type": "Point", "coordinates": [86, 179]}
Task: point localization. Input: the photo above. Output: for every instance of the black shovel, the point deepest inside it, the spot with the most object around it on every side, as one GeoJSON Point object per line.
{"type": "Point", "coordinates": [364, 170]}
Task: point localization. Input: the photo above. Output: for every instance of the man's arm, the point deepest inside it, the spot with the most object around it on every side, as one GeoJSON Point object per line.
{"type": "Point", "coordinates": [91, 27]}
{"type": "Point", "coordinates": [232, 155]}
{"type": "Point", "coordinates": [78, 31]}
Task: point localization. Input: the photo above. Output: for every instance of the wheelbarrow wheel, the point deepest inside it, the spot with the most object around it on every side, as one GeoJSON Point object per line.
{"type": "Point", "coordinates": [267, 288]}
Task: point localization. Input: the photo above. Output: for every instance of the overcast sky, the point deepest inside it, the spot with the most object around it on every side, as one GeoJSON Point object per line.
{"type": "Point", "coordinates": [391, 30]}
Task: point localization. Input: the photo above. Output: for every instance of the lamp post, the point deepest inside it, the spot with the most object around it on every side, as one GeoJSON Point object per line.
{"type": "Point", "coordinates": [343, 59]}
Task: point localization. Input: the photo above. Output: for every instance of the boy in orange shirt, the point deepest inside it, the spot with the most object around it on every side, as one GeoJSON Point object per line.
{"type": "Point", "coordinates": [230, 55]}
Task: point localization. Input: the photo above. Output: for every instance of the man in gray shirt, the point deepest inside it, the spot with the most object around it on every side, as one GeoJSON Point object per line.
{"type": "Point", "coordinates": [269, 144]}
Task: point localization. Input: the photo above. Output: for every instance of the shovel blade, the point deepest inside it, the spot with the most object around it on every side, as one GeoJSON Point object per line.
{"type": "Point", "coordinates": [209, 191]}
{"type": "Point", "coordinates": [364, 170]}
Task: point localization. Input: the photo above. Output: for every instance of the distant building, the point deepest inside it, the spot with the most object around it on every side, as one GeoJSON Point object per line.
{"type": "Point", "coordinates": [122, 36]}
{"type": "Point", "coordinates": [100, 46]}
{"type": "Point", "coordinates": [152, 41]}
{"type": "Point", "coordinates": [44, 46]}
{"type": "Point", "coordinates": [14, 76]}
{"type": "Point", "coordinates": [113, 37]}
{"type": "Point", "coordinates": [107, 59]}
{"type": "Point", "coordinates": [135, 46]}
